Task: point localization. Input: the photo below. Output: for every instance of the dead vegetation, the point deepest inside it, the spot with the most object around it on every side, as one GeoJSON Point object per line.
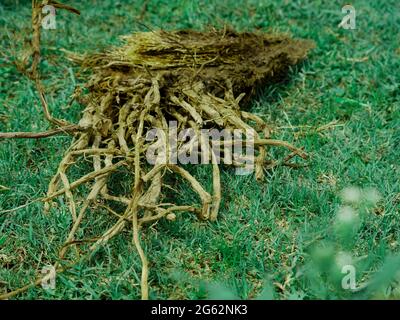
{"type": "Point", "coordinates": [197, 79]}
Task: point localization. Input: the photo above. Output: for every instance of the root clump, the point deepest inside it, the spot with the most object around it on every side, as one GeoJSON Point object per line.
{"type": "Point", "coordinates": [197, 80]}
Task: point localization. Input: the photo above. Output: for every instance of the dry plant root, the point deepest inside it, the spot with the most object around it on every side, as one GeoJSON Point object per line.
{"type": "Point", "coordinates": [34, 74]}
{"type": "Point", "coordinates": [197, 80]}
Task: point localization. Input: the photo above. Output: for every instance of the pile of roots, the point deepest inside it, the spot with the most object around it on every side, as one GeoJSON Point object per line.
{"type": "Point", "coordinates": [198, 80]}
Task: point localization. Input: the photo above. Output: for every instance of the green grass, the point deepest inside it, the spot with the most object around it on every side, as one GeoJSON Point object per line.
{"type": "Point", "coordinates": [276, 239]}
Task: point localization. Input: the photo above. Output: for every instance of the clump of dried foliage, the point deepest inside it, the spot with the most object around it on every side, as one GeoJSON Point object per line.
{"type": "Point", "coordinates": [198, 79]}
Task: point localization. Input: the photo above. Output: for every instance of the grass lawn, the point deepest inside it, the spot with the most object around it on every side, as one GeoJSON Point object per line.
{"type": "Point", "coordinates": [286, 238]}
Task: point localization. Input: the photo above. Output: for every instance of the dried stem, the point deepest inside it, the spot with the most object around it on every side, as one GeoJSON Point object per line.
{"type": "Point", "coordinates": [39, 135]}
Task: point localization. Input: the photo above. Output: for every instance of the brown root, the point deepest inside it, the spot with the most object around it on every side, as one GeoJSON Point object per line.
{"type": "Point", "coordinates": [196, 81]}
